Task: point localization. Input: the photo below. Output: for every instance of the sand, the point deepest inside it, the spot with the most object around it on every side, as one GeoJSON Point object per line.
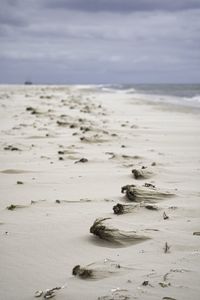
{"type": "Point", "coordinates": [65, 154]}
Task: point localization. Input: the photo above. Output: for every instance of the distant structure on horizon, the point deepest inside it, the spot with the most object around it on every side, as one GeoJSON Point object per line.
{"type": "Point", "coordinates": [28, 82]}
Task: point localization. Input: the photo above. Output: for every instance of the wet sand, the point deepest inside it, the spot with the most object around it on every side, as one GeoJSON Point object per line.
{"type": "Point", "coordinates": [66, 153]}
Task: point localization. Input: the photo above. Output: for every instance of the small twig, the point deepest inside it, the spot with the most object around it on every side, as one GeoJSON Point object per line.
{"type": "Point", "coordinates": [166, 248]}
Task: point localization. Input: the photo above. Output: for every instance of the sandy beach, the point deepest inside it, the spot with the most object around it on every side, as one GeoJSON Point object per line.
{"type": "Point", "coordinates": [65, 154]}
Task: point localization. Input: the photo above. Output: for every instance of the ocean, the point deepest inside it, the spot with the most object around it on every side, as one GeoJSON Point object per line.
{"type": "Point", "coordinates": [180, 94]}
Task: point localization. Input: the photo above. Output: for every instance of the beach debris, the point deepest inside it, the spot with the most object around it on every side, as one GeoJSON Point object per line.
{"type": "Point", "coordinates": [122, 157]}
{"type": "Point", "coordinates": [196, 233]}
{"type": "Point", "coordinates": [117, 294]}
{"type": "Point", "coordinates": [114, 235]}
{"type": "Point", "coordinates": [179, 270]}
{"type": "Point", "coordinates": [84, 273]}
{"type": "Point", "coordinates": [164, 284]}
{"type": "Point", "coordinates": [151, 207]}
{"type": "Point", "coordinates": [141, 174]}
{"type": "Point", "coordinates": [61, 152]}
{"type": "Point", "coordinates": [11, 148]}
{"type": "Point", "coordinates": [50, 293]}
{"type": "Point", "coordinates": [145, 283]}
{"type": "Point", "coordinates": [168, 298]}
{"type": "Point", "coordinates": [13, 206]}
{"type": "Point", "coordinates": [14, 171]}
{"type": "Point", "coordinates": [165, 217]}
{"type": "Point", "coordinates": [85, 129]}
{"type": "Point", "coordinates": [62, 123]}
{"type": "Point", "coordinates": [73, 201]}
{"type": "Point", "coordinates": [72, 126]}
{"type": "Point", "coordinates": [165, 277]}
{"type": "Point", "coordinates": [93, 139]}
{"type": "Point", "coordinates": [99, 270]}
{"type": "Point", "coordinates": [32, 110]}
{"type": "Point", "coordinates": [149, 185]}
{"type": "Point", "coordinates": [153, 164]}
{"type": "Point", "coordinates": [37, 201]}
{"type": "Point", "coordinates": [173, 207]}
{"type": "Point", "coordinates": [143, 194]}
{"type": "Point", "coordinates": [82, 160]}
{"type": "Point", "coordinates": [120, 209]}
{"type": "Point", "coordinates": [20, 182]}
{"type": "Point", "coordinates": [166, 248]}
{"type": "Point", "coordinates": [38, 294]}
{"type": "Point", "coordinates": [29, 108]}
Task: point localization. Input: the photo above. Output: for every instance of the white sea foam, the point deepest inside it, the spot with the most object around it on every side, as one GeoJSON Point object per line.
{"type": "Point", "coordinates": [195, 99]}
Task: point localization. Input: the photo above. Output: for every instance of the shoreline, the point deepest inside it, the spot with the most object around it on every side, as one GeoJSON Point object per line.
{"type": "Point", "coordinates": [170, 101]}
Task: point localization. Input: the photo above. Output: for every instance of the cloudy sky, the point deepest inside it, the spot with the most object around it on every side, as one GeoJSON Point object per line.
{"type": "Point", "coordinates": [99, 41]}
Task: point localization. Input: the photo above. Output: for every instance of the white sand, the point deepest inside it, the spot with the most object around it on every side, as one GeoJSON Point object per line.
{"type": "Point", "coordinates": [41, 242]}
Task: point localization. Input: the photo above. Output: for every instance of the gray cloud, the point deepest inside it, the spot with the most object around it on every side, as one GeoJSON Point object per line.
{"type": "Point", "coordinates": [160, 43]}
{"type": "Point", "coordinates": [10, 14]}
{"type": "Point", "coordinates": [123, 6]}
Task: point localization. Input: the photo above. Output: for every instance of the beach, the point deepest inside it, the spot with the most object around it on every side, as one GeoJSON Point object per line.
{"type": "Point", "coordinates": [65, 153]}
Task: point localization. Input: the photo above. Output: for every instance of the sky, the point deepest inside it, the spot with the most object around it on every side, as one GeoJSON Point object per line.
{"type": "Point", "coordinates": [99, 41]}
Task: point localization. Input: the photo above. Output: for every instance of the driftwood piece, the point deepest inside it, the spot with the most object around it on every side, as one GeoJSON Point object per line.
{"type": "Point", "coordinates": [142, 174]}
{"type": "Point", "coordinates": [144, 194]}
{"type": "Point", "coordinates": [120, 209]}
{"type": "Point", "coordinates": [114, 235]}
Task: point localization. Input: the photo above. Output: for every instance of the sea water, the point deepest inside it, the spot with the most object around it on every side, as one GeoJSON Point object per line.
{"type": "Point", "coordinates": [179, 94]}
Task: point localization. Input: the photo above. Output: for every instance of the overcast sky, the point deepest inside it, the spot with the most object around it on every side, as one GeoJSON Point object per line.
{"type": "Point", "coordinates": [99, 41]}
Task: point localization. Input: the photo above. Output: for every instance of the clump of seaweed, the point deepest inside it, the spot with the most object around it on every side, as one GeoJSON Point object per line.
{"type": "Point", "coordinates": [120, 209]}
{"type": "Point", "coordinates": [32, 110]}
{"type": "Point", "coordinates": [20, 182]}
{"type": "Point", "coordinates": [62, 123]}
{"type": "Point", "coordinates": [151, 207]}
{"type": "Point", "coordinates": [11, 148]}
{"type": "Point", "coordinates": [196, 233]}
{"type": "Point", "coordinates": [84, 273]}
{"type": "Point", "coordinates": [114, 235]}
{"type": "Point", "coordinates": [82, 160]}
{"type": "Point", "coordinates": [144, 194]}
{"type": "Point", "coordinates": [141, 174]}
{"type": "Point", "coordinates": [98, 270]}
{"type": "Point", "coordinates": [13, 206]}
